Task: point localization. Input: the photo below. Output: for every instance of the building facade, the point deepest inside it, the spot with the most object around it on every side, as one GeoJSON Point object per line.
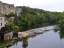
{"type": "Point", "coordinates": [2, 21]}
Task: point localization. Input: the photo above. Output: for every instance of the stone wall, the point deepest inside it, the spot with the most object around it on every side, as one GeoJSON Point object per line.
{"type": "Point", "coordinates": [8, 36]}
{"type": "Point", "coordinates": [7, 8]}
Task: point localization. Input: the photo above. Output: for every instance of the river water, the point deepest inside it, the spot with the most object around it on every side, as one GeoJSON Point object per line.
{"type": "Point", "coordinates": [49, 39]}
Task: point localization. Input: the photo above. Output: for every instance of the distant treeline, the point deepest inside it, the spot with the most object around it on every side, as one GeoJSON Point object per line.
{"type": "Point", "coordinates": [33, 17]}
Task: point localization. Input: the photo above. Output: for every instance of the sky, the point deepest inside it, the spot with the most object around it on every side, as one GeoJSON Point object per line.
{"type": "Point", "coordinates": [49, 5]}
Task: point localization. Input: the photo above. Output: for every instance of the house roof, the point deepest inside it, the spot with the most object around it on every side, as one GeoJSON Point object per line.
{"type": "Point", "coordinates": [6, 19]}
{"type": "Point", "coordinates": [1, 15]}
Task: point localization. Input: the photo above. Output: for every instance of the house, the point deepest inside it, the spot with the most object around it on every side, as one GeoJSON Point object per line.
{"type": "Point", "coordinates": [2, 21]}
{"type": "Point", "coordinates": [8, 19]}
{"type": "Point", "coordinates": [11, 18]}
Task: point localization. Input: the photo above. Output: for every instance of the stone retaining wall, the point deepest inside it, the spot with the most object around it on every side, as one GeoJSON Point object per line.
{"type": "Point", "coordinates": [8, 36]}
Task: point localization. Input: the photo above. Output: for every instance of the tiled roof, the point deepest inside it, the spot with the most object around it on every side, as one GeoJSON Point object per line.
{"type": "Point", "coordinates": [6, 19]}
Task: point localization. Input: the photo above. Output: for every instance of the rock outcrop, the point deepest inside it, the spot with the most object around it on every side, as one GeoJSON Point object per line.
{"type": "Point", "coordinates": [8, 8]}
{"type": "Point", "coordinates": [22, 34]}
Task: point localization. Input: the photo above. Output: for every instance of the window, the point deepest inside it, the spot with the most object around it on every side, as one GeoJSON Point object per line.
{"type": "Point", "coordinates": [1, 19]}
{"type": "Point", "coordinates": [1, 24]}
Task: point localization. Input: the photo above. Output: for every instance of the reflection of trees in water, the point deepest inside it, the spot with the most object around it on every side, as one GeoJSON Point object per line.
{"type": "Point", "coordinates": [33, 36]}
{"type": "Point", "coordinates": [24, 42]}
{"type": "Point", "coordinates": [6, 44]}
{"type": "Point", "coordinates": [56, 30]}
{"type": "Point", "coordinates": [61, 33]}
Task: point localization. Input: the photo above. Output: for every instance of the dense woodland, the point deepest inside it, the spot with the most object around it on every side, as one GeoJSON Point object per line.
{"type": "Point", "coordinates": [33, 18]}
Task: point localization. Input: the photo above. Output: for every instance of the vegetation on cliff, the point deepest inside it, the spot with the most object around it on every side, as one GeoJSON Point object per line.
{"type": "Point", "coordinates": [33, 17]}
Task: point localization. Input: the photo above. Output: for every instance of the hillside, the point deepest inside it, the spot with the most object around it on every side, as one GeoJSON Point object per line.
{"type": "Point", "coordinates": [33, 18]}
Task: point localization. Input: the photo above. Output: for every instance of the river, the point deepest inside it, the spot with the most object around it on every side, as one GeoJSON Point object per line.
{"type": "Point", "coordinates": [50, 39]}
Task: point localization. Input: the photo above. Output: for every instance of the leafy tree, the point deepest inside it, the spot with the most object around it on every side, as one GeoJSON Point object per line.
{"type": "Point", "coordinates": [15, 20]}
{"type": "Point", "coordinates": [10, 25]}
{"type": "Point", "coordinates": [33, 17]}
{"type": "Point", "coordinates": [61, 21]}
{"type": "Point", "coordinates": [16, 28]}
{"type": "Point", "coordinates": [10, 15]}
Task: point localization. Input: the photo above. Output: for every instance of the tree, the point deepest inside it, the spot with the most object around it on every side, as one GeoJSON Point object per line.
{"type": "Point", "coordinates": [61, 21]}
{"type": "Point", "coordinates": [10, 25]}
{"type": "Point", "coordinates": [16, 28]}
{"type": "Point", "coordinates": [15, 20]}
{"type": "Point", "coordinates": [10, 15]}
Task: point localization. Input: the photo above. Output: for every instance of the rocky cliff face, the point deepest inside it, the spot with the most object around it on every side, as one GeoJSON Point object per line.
{"type": "Point", "coordinates": [7, 8]}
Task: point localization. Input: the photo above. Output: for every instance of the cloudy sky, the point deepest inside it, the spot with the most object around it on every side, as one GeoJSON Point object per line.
{"type": "Point", "coordinates": [50, 5]}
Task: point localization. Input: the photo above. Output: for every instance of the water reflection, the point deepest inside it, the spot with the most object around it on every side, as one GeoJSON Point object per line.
{"type": "Point", "coordinates": [10, 43]}
{"type": "Point", "coordinates": [7, 44]}
{"type": "Point", "coordinates": [56, 30]}
{"type": "Point", "coordinates": [41, 41]}
{"type": "Point", "coordinates": [24, 42]}
{"type": "Point", "coordinates": [61, 34]}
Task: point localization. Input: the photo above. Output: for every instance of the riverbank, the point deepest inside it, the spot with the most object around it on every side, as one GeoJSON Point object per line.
{"type": "Point", "coordinates": [36, 31]}
{"type": "Point", "coordinates": [32, 32]}
{"type": "Point", "coordinates": [50, 37]}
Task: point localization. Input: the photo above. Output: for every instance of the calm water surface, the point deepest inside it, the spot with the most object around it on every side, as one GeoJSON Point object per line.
{"type": "Point", "coordinates": [49, 39]}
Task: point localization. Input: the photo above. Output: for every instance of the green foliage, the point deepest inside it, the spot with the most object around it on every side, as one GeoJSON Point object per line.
{"type": "Point", "coordinates": [16, 28]}
{"type": "Point", "coordinates": [33, 17]}
{"type": "Point", "coordinates": [61, 21]}
{"type": "Point", "coordinates": [10, 15]}
{"type": "Point", "coordinates": [10, 25]}
{"type": "Point", "coordinates": [15, 20]}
